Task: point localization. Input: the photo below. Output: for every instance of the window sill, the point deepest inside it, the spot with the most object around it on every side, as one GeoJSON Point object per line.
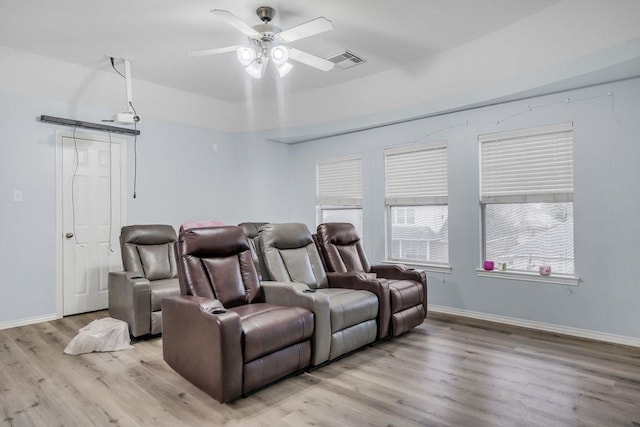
{"type": "Point", "coordinates": [556, 279]}
{"type": "Point", "coordinates": [433, 268]}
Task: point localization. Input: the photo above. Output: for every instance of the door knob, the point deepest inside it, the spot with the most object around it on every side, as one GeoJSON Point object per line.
{"type": "Point", "coordinates": [68, 235]}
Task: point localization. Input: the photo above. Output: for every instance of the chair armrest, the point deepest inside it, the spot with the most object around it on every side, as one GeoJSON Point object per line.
{"type": "Point", "coordinates": [399, 272]}
{"type": "Point", "coordinates": [358, 281]}
{"type": "Point", "coordinates": [402, 272]}
{"type": "Point", "coordinates": [130, 301]}
{"type": "Point", "coordinates": [203, 346]}
{"type": "Point", "coordinates": [293, 294]}
{"type": "Point", "coordinates": [367, 282]}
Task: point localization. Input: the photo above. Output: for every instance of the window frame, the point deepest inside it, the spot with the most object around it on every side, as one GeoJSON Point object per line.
{"type": "Point", "coordinates": [415, 202]}
{"type": "Point", "coordinates": [527, 198]}
{"type": "Point", "coordinates": [336, 202]}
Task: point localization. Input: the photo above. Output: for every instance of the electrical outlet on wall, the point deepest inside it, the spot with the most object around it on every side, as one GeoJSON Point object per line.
{"type": "Point", "coordinates": [18, 196]}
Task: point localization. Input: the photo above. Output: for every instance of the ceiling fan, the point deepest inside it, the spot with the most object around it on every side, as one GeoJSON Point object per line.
{"type": "Point", "coordinates": [268, 42]}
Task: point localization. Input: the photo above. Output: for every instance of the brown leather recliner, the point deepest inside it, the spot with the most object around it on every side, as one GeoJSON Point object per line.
{"type": "Point", "coordinates": [343, 253]}
{"type": "Point", "coordinates": [220, 334]}
{"type": "Point", "coordinates": [135, 295]}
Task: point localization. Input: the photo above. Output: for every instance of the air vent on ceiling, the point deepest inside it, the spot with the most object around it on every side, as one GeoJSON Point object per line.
{"type": "Point", "coordinates": [346, 59]}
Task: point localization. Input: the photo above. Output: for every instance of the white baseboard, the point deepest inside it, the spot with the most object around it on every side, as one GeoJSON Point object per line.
{"type": "Point", "coordinates": [27, 321]}
{"type": "Point", "coordinates": [547, 327]}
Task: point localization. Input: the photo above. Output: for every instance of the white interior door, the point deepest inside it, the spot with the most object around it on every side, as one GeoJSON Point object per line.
{"type": "Point", "coordinates": [91, 173]}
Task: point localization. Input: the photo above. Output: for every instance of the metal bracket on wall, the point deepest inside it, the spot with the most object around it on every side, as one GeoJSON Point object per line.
{"type": "Point", "coordinates": [88, 125]}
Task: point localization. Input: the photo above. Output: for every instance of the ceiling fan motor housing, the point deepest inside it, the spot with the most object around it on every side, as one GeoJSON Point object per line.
{"type": "Point", "coordinates": [268, 31]}
{"type": "Point", "coordinates": [265, 13]}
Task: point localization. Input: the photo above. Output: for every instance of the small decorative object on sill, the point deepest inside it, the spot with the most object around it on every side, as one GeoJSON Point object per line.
{"type": "Point", "coordinates": [489, 265]}
{"type": "Point", "coordinates": [503, 267]}
{"type": "Point", "coordinates": [545, 270]}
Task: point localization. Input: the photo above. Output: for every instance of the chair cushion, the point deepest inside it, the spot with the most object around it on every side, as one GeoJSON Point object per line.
{"type": "Point", "coordinates": [298, 265]}
{"type": "Point", "coordinates": [349, 307]}
{"type": "Point", "coordinates": [352, 338]}
{"type": "Point", "coordinates": [161, 289]}
{"type": "Point", "coordinates": [251, 229]}
{"type": "Point", "coordinates": [404, 320]}
{"type": "Point", "coordinates": [276, 365]}
{"type": "Point", "coordinates": [290, 254]}
{"type": "Point", "coordinates": [132, 236]}
{"type": "Point", "coordinates": [155, 261]}
{"type": "Point", "coordinates": [405, 294]}
{"type": "Point", "coordinates": [267, 328]}
{"type": "Point", "coordinates": [342, 248]}
{"type": "Point", "coordinates": [200, 224]}
{"type": "Point", "coordinates": [217, 263]}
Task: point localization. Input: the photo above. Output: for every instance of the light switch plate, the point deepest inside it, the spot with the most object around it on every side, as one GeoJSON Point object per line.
{"type": "Point", "coordinates": [18, 196]}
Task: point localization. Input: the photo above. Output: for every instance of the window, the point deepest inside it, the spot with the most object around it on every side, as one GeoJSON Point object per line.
{"type": "Point", "coordinates": [417, 197]}
{"type": "Point", "coordinates": [527, 198]}
{"type": "Point", "coordinates": [339, 191]}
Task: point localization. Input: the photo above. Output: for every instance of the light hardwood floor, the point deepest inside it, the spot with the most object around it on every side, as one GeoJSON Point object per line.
{"type": "Point", "coordinates": [448, 372]}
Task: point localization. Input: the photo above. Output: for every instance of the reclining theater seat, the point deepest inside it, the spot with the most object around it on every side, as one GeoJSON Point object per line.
{"type": "Point", "coordinates": [345, 318]}
{"type": "Point", "coordinates": [251, 229]}
{"type": "Point", "coordinates": [342, 251]}
{"type": "Point", "coordinates": [150, 274]}
{"type": "Point", "coordinates": [220, 334]}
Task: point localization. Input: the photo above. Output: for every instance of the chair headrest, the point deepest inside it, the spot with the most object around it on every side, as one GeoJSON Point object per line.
{"type": "Point", "coordinates": [251, 228]}
{"type": "Point", "coordinates": [338, 233]}
{"type": "Point", "coordinates": [154, 234]}
{"type": "Point", "coordinates": [213, 242]}
{"type": "Point", "coordinates": [200, 224]}
{"type": "Point", "coordinates": [286, 236]}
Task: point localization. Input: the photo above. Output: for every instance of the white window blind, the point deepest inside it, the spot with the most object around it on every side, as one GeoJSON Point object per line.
{"type": "Point", "coordinates": [532, 165]}
{"type": "Point", "coordinates": [416, 193]}
{"type": "Point", "coordinates": [416, 175]}
{"type": "Point", "coordinates": [340, 182]}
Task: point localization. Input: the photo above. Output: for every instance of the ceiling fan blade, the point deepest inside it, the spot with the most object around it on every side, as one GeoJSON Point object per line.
{"type": "Point", "coordinates": [235, 22]}
{"type": "Point", "coordinates": [214, 51]}
{"type": "Point", "coordinates": [310, 60]}
{"type": "Point", "coordinates": [315, 26]}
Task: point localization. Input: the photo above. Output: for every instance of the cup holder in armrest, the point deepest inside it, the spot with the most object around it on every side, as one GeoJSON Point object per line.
{"type": "Point", "coordinates": [136, 277]}
{"type": "Point", "coordinates": [309, 291]}
{"type": "Point", "coordinates": [218, 311]}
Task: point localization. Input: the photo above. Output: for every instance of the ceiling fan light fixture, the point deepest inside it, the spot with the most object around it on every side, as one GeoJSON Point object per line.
{"type": "Point", "coordinates": [279, 55]}
{"type": "Point", "coordinates": [256, 69]}
{"type": "Point", "coordinates": [246, 55]}
{"type": "Point", "coordinates": [266, 42]}
{"type": "Point", "coordinates": [283, 69]}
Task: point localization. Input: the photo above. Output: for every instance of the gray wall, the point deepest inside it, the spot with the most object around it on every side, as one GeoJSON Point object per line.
{"type": "Point", "coordinates": [180, 178]}
{"type": "Point", "coordinates": [607, 205]}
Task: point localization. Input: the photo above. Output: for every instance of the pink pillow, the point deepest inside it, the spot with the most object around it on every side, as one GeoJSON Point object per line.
{"type": "Point", "coordinates": [200, 224]}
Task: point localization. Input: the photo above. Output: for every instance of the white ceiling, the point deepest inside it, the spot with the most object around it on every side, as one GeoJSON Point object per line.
{"type": "Point", "coordinates": [157, 34]}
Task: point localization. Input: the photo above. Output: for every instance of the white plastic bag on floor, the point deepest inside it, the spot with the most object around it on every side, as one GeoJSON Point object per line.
{"type": "Point", "coordinates": [105, 334]}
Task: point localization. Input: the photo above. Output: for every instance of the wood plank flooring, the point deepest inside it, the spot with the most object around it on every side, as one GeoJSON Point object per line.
{"type": "Point", "coordinates": [448, 372]}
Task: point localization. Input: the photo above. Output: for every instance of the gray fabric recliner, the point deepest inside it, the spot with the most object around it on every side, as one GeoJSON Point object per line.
{"type": "Point", "coordinates": [150, 274]}
{"type": "Point", "coordinates": [345, 318]}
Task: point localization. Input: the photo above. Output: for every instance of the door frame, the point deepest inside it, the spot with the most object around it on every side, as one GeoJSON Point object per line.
{"type": "Point", "coordinates": [60, 134]}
